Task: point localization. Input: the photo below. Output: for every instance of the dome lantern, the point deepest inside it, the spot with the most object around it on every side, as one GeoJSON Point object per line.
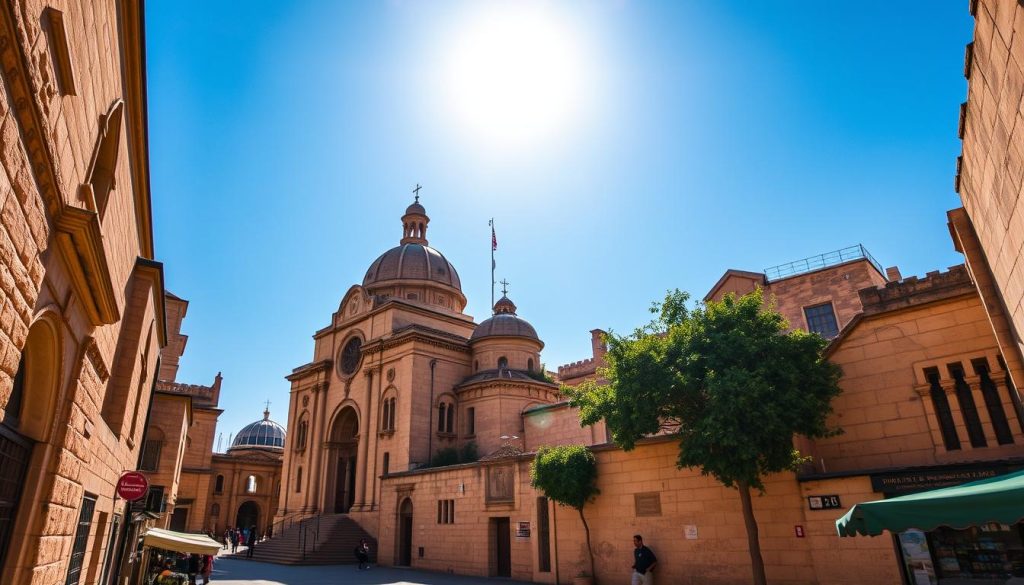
{"type": "Point", "coordinates": [414, 223]}
{"type": "Point", "coordinates": [262, 434]}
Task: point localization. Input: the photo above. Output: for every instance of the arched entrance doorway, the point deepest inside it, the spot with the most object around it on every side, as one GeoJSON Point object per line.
{"type": "Point", "coordinates": [27, 418]}
{"type": "Point", "coordinates": [342, 444]}
{"type": "Point", "coordinates": [248, 515]}
{"type": "Point", "coordinates": [405, 533]}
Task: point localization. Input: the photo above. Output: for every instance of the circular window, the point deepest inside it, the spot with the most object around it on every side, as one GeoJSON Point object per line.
{"type": "Point", "coordinates": [350, 356]}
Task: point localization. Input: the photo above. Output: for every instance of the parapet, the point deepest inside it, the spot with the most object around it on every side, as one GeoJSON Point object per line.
{"type": "Point", "coordinates": [915, 291]}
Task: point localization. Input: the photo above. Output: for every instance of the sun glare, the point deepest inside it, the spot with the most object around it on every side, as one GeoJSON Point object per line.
{"type": "Point", "coordinates": [514, 74]}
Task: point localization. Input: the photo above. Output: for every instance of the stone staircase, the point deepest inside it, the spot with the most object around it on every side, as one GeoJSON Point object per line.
{"type": "Point", "coordinates": [329, 540]}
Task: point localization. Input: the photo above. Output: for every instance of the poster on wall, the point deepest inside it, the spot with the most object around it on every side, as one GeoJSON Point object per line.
{"type": "Point", "coordinates": [522, 530]}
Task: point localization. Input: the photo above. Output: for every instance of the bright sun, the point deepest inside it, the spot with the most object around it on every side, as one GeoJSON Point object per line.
{"type": "Point", "coordinates": [514, 74]}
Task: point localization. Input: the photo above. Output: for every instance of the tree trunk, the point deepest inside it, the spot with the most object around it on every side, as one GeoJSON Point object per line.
{"type": "Point", "coordinates": [756, 562]}
{"type": "Point", "coordinates": [590, 550]}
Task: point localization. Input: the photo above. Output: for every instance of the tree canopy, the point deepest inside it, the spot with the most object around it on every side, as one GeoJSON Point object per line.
{"type": "Point", "coordinates": [567, 474]}
{"type": "Point", "coordinates": [727, 376]}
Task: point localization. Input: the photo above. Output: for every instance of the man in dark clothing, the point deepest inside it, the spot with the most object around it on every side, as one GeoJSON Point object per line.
{"type": "Point", "coordinates": [644, 562]}
{"type": "Point", "coordinates": [251, 543]}
{"type": "Point", "coordinates": [362, 552]}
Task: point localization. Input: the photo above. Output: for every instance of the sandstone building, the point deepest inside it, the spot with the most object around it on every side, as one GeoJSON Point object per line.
{"type": "Point", "coordinates": [193, 488]}
{"type": "Point", "coordinates": [81, 297]}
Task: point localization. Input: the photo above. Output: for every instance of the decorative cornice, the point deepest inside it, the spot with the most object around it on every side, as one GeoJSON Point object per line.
{"type": "Point", "coordinates": [309, 369]}
{"type": "Point", "coordinates": [424, 335]}
{"type": "Point", "coordinates": [81, 244]}
{"type": "Point", "coordinates": [133, 33]}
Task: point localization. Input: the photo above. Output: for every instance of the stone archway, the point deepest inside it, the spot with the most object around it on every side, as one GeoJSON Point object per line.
{"type": "Point", "coordinates": [342, 443]}
{"type": "Point", "coordinates": [248, 515]}
{"type": "Point", "coordinates": [405, 533]}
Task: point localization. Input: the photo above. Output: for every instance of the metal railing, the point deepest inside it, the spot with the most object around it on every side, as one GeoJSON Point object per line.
{"type": "Point", "coordinates": [278, 528]}
{"type": "Point", "coordinates": [812, 263]}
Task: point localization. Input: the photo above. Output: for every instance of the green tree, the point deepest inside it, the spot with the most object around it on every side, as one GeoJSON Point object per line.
{"type": "Point", "coordinates": [567, 475]}
{"type": "Point", "coordinates": [729, 379]}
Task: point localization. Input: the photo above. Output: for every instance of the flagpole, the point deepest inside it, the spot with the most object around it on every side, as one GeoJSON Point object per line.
{"type": "Point", "coordinates": [491, 223]}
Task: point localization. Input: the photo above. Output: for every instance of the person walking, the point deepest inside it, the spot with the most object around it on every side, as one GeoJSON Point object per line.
{"type": "Point", "coordinates": [207, 568]}
{"type": "Point", "coordinates": [234, 541]}
{"type": "Point", "coordinates": [251, 542]}
{"type": "Point", "coordinates": [362, 552]}
{"type": "Point", "coordinates": [644, 562]}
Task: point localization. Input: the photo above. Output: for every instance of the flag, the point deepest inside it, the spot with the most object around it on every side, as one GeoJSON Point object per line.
{"type": "Point", "coordinates": [494, 239]}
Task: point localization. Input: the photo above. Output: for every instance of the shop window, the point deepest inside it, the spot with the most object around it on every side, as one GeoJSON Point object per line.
{"type": "Point", "coordinates": [250, 484]}
{"type": "Point", "coordinates": [821, 319]}
{"type": "Point", "coordinates": [988, 553]}
{"type": "Point", "coordinates": [470, 421]}
{"type": "Point", "coordinates": [77, 559]}
{"type": "Point", "coordinates": [968, 408]}
{"type": "Point", "coordinates": [218, 486]}
{"type": "Point", "coordinates": [940, 402]}
{"type": "Point", "coordinates": [993, 402]}
{"type": "Point", "coordinates": [446, 511]}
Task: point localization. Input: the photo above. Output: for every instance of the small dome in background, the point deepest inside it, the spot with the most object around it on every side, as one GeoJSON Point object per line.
{"type": "Point", "coordinates": [262, 433]}
{"type": "Point", "coordinates": [504, 323]}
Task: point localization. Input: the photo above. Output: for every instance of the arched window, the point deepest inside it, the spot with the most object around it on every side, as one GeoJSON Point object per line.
{"type": "Point", "coordinates": [250, 484]}
{"type": "Point", "coordinates": [218, 487]}
{"type": "Point", "coordinates": [440, 417]}
{"type": "Point", "coordinates": [298, 481]}
{"type": "Point", "coordinates": [300, 435]}
{"type": "Point", "coordinates": [529, 364]}
{"type": "Point", "coordinates": [215, 510]}
{"type": "Point", "coordinates": [449, 425]}
{"type": "Point", "coordinates": [502, 363]}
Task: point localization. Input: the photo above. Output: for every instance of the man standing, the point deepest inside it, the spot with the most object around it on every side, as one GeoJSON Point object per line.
{"type": "Point", "coordinates": [644, 562]}
{"type": "Point", "coordinates": [251, 542]}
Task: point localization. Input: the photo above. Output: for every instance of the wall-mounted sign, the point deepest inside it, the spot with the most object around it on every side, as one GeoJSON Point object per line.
{"type": "Point", "coordinates": [824, 502]}
{"type": "Point", "coordinates": [908, 482]}
{"type": "Point", "coordinates": [647, 504]}
{"type": "Point", "coordinates": [522, 530]}
{"type": "Point", "coordinates": [799, 531]}
{"type": "Point", "coordinates": [132, 486]}
{"type": "Point", "coordinates": [690, 531]}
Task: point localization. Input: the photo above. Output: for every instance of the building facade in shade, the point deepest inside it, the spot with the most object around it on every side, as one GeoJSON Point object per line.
{"type": "Point", "coordinates": [192, 487]}
{"type": "Point", "coordinates": [82, 316]}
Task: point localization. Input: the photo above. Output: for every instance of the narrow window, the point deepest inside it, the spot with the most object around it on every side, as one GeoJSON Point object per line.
{"type": "Point", "coordinates": [449, 426]}
{"type": "Point", "coordinates": [386, 415]}
{"type": "Point", "coordinates": [218, 487]}
{"type": "Point", "coordinates": [993, 403]}
{"type": "Point", "coordinates": [543, 536]}
{"type": "Point", "coordinates": [440, 417]}
{"type": "Point", "coordinates": [81, 540]}
{"type": "Point", "coordinates": [476, 366]}
{"type": "Point", "coordinates": [151, 455]}
{"type": "Point", "coordinates": [298, 481]}
{"type": "Point", "coordinates": [250, 484]}
{"type": "Point", "coordinates": [215, 510]}
{"type": "Point", "coordinates": [529, 364]}
{"type": "Point", "coordinates": [391, 419]}
{"type": "Point", "coordinates": [821, 319]}
{"type": "Point", "coordinates": [967, 406]}
{"type": "Point", "coordinates": [387, 463]}
{"type": "Point", "coordinates": [471, 421]}
{"type": "Point", "coordinates": [942, 412]}
{"type": "Point", "coordinates": [451, 511]}
{"type": "Point", "coordinates": [57, 39]}
{"type": "Point", "coordinates": [440, 511]}
{"type": "Point", "coordinates": [502, 363]}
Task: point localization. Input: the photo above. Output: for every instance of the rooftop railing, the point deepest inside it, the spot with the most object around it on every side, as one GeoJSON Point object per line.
{"type": "Point", "coordinates": [812, 263]}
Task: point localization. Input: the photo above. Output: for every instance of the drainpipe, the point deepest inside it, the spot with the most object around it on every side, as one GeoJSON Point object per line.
{"type": "Point", "coordinates": [430, 418]}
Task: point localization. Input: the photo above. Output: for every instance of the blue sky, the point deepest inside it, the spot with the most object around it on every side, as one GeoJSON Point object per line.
{"type": "Point", "coordinates": [668, 142]}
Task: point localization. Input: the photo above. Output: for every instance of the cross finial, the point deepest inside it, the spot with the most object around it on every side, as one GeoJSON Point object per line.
{"type": "Point", "coordinates": [266, 411]}
{"type": "Point", "coordinates": [416, 192]}
{"type": "Point", "coordinates": [504, 287]}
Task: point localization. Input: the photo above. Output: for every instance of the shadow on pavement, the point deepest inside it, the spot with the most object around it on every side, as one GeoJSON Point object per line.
{"type": "Point", "coordinates": [239, 572]}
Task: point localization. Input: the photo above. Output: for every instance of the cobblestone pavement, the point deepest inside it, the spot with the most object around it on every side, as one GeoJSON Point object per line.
{"type": "Point", "coordinates": [241, 572]}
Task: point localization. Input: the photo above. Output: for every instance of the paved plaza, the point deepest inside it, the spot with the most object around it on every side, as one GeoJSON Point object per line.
{"type": "Point", "coordinates": [241, 572]}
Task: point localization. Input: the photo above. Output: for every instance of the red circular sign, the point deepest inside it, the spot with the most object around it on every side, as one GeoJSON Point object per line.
{"type": "Point", "coordinates": [132, 486]}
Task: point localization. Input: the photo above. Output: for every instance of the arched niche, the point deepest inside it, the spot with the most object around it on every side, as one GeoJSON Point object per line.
{"type": "Point", "coordinates": [32, 405]}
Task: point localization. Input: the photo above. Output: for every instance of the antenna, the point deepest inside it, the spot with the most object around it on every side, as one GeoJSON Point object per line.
{"type": "Point", "coordinates": [220, 440]}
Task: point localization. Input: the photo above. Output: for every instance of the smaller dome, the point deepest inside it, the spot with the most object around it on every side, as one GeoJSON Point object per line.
{"type": "Point", "coordinates": [262, 433]}
{"type": "Point", "coordinates": [504, 323]}
{"type": "Point", "coordinates": [415, 208]}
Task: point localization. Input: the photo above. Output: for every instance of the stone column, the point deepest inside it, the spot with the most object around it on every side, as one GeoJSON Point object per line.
{"type": "Point", "coordinates": [289, 456]}
{"type": "Point", "coordinates": [365, 432]}
{"type": "Point", "coordinates": [315, 443]}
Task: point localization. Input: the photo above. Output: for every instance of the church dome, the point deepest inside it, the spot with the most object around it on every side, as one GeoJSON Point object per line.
{"type": "Point", "coordinates": [413, 258]}
{"type": "Point", "coordinates": [412, 262]}
{"type": "Point", "coordinates": [262, 433]}
{"type": "Point", "coordinates": [504, 323]}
